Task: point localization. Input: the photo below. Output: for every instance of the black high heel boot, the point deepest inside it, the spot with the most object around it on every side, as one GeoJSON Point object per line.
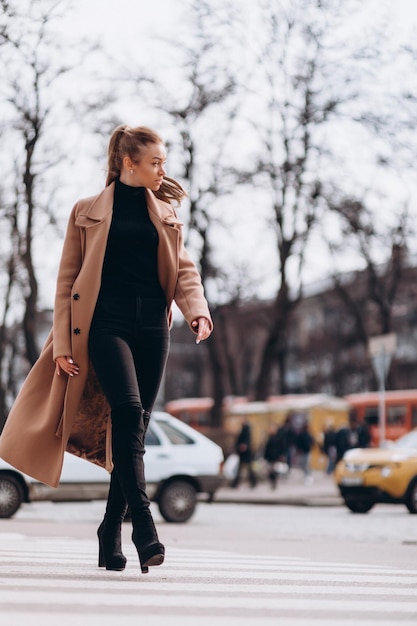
{"type": "Point", "coordinates": [128, 433]}
{"type": "Point", "coordinates": [109, 532]}
{"type": "Point", "coordinates": [144, 536]}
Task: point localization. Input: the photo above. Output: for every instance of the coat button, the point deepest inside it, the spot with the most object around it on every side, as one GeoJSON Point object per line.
{"type": "Point", "coordinates": [77, 331]}
{"type": "Point", "coordinates": [76, 296]}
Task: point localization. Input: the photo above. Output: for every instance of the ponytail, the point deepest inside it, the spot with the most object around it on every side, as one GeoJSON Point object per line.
{"type": "Point", "coordinates": [126, 141]}
{"type": "Point", "coordinates": [114, 154]}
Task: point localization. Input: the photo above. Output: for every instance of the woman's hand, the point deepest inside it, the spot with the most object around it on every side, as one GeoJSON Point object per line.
{"type": "Point", "coordinates": [202, 326]}
{"type": "Point", "coordinates": [67, 365]}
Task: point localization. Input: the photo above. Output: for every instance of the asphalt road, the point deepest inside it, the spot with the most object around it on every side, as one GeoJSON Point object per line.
{"type": "Point", "coordinates": [231, 564]}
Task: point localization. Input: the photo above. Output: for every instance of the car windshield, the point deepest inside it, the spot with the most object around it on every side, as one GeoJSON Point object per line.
{"type": "Point", "coordinates": [151, 439]}
{"type": "Point", "coordinates": [174, 435]}
{"type": "Point", "coordinates": [408, 441]}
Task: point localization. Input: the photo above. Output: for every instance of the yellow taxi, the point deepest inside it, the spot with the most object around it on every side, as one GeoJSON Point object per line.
{"type": "Point", "coordinates": [368, 476]}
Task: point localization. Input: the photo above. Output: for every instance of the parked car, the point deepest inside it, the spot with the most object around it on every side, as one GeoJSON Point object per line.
{"type": "Point", "coordinates": [367, 476]}
{"type": "Point", "coordinates": [180, 463]}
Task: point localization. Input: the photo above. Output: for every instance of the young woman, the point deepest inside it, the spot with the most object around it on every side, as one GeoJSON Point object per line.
{"type": "Point", "coordinates": [92, 390]}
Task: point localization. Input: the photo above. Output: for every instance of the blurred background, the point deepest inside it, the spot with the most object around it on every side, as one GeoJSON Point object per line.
{"type": "Point", "coordinates": [291, 124]}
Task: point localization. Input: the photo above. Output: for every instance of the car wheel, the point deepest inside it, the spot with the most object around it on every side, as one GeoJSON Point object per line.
{"type": "Point", "coordinates": [411, 500]}
{"type": "Point", "coordinates": [359, 506]}
{"type": "Point", "coordinates": [11, 495]}
{"type": "Point", "coordinates": [177, 501]}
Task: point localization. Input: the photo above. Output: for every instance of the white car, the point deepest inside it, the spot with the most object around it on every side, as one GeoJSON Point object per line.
{"type": "Point", "coordinates": [180, 463]}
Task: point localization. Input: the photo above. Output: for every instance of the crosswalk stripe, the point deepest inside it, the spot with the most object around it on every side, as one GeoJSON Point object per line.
{"type": "Point", "coordinates": [280, 589]}
{"type": "Point", "coordinates": [43, 571]}
{"type": "Point", "coordinates": [241, 601]}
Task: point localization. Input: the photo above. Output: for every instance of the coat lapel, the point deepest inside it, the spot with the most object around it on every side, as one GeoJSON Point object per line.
{"type": "Point", "coordinates": [168, 226]}
{"type": "Point", "coordinates": [97, 210]}
{"type": "Point", "coordinates": [161, 211]}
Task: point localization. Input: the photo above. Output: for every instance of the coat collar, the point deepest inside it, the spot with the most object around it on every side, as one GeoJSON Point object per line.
{"type": "Point", "coordinates": [162, 210]}
{"type": "Point", "coordinates": [95, 210]}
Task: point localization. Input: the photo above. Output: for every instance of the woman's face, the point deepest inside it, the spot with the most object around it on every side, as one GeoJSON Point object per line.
{"type": "Point", "coordinates": [148, 171]}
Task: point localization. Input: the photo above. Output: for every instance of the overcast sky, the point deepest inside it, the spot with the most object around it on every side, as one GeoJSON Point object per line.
{"type": "Point", "coordinates": [120, 22]}
{"type": "Point", "coordinates": [132, 29]}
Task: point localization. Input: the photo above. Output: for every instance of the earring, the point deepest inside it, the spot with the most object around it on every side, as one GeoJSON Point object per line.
{"type": "Point", "coordinates": [131, 171]}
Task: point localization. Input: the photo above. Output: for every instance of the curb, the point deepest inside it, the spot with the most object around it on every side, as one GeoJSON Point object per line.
{"type": "Point", "coordinates": [321, 501]}
{"type": "Point", "coordinates": [290, 492]}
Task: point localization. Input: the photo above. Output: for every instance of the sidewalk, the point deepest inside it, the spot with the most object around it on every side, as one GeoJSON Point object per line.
{"type": "Point", "coordinates": [322, 491]}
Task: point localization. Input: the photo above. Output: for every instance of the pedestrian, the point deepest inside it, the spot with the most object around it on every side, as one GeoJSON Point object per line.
{"type": "Point", "coordinates": [329, 445]}
{"type": "Point", "coordinates": [243, 447]}
{"type": "Point", "coordinates": [355, 435]}
{"type": "Point", "coordinates": [304, 443]}
{"type": "Point", "coordinates": [93, 388]}
{"type": "Point", "coordinates": [286, 440]}
{"type": "Point", "coordinates": [272, 455]}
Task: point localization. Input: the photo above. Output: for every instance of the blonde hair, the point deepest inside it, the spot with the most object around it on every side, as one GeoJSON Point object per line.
{"type": "Point", "coordinates": [126, 141]}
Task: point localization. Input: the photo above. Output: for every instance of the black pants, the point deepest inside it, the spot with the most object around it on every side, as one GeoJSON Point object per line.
{"type": "Point", "coordinates": [128, 346]}
{"type": "Point", "coordinates": [245, 463]}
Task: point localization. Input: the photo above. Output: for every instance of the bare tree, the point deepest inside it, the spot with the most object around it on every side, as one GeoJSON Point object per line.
{"type": "Point", "coordinates": [202, 115]}
{"type": "Point", "coordinates": [33, 63]}
{"type": "Point", "coordinates": [289, 86]}
{"type": "Point", "coordinates": [361, 231]}
{"type": "Point", "coordinates": [294, 105]}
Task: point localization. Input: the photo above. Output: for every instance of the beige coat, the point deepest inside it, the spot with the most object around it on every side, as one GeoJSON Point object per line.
{"type": "Point", "coordinates": [55, 413]}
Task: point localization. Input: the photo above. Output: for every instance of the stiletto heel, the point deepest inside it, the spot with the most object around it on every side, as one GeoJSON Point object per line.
{"type": "Point", "coordinates": [101, 559]}
{"type": "Point", "coordinates": [151, 555]}
{"type": "Point", "coordinates": [114, 559]}
{"type": "Point", "coordinates": [109, 532]}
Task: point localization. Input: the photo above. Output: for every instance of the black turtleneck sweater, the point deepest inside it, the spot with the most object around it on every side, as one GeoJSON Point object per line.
{"type": "Point", "coordinates": [130, 263]}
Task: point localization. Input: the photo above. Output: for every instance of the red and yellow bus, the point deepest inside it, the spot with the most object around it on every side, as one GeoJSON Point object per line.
{"type": "Point", "coordinates": [192, 411]}
{"type": "Point", "coordinates": [400, 412]}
